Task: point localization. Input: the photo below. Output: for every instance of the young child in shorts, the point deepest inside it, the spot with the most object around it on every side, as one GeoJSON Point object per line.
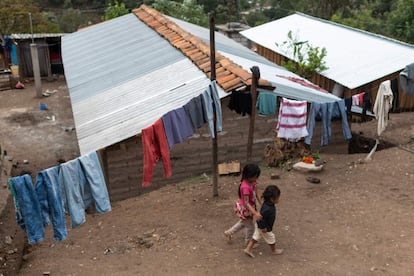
{"type": "Point", "coordinates": [264, 226]}
{"type": "Point", "coordinates": [245, 208]}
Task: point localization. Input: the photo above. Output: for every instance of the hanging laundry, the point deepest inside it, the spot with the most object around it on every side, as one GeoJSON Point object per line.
{"type": "Point", "coordinates": [26, 203]}
{"type": "Point", "coordinates": [212, 106]}
{"type": "Point", "coordinates": [361, 97]}
{"type": "Point", "coordinates": [195, 111]}
{"type": "Point", "coordinates": [82, 183]}
{"type": "Point", "coordinates": [348, 104]}
{"type": "Point", "coordinates": [177, 126]}
{"type": "Point", "coordinates": [72, 184]}
{"type": "Point", "coordinates": [327, 111]}
{"type": "Point", "coordinates": [155, 146]}
{"type": "Point", "coordinates": [355, 99]}
{"type": "Point", "coordinates": [395, 93]}
{"type": "Point", "coordinates": [366, 105]}
{"type": "Point", "coordinates": [407, 79]}
{"type": "Point", "coordinates": [292, 119]}
{"type": "Point", "coordinates": [240, 102]}
{"type": "Point", "coordinates": [383, 105]}
{"type": "Point", "coordinates": [95, 191]}
{"type": "Point", "coordinates": [266, 103]}
{"type": "Point", "coordinates": [49, 195]}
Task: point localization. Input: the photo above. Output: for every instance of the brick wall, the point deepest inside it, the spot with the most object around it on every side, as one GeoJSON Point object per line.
{"type": "Point", "coordinates": [123, 162]}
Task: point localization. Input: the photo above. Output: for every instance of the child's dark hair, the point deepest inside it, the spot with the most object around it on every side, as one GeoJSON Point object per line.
{"type": "Point", "coordinates": [249, 171]}
{"type": "Point", "coordinates": [271, 192]}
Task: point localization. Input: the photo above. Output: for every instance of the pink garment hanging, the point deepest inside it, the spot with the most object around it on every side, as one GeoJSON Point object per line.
{"type": "Point", "coordinates": [355, 100]}
{"type": "Point", "coordinates": [155, 145]}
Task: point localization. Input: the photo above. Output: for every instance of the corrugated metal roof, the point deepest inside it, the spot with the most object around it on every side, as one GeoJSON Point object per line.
{"type": "Point", "coordinates": [120, 83]}
{"type": "Point", "coordinates": [285, 87]}
{"type": "Point", "coordinates": [269, 71]}
{"type": "Point", "coordinates": [354, 57]}
{"type": "Point", "coordinates": [34, 36]}
{"type": "Point", "coordinates": [228, 74]}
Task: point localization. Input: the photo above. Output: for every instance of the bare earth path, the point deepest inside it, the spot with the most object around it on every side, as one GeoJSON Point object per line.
{"type": "Point", "coordinates": [357, 221]}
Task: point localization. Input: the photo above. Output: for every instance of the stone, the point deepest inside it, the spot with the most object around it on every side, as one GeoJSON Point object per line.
{"type": "Point", "coordinates": [306, 167]}
{"type": "Point", "coordinates": [274, 176]}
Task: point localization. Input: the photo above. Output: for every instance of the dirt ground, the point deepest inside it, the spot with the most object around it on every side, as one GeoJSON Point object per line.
{"type": "Point", "coordinates": [357, 221]}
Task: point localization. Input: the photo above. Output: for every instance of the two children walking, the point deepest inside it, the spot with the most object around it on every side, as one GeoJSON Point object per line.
{"type": "Point", "coordinates": [256, 224]}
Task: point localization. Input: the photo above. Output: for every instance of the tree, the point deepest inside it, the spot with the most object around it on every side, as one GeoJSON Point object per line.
{"type": "Point", "coordinates": [362, 19]}
{"type": "Point", "coordinates": [115, 10]}
{"type": "Point", "coordinates": [304, 59]}
{"type": "Point", "coordinates": [14, 17]}
{"type": "Point", "coordinates": [323, 8]}
{"type": "Point", "coordinates": [52, 23]}
{"type": "Point", "coordinates": [188, 11]}
{"type": "Point", "coordinates": [401, 21]}
{"type": "Point", "coordinates": [225, 10]}
{"type": "Point", "coordinates": [278, 9]}
{"type": "Point", "coordinates": [256, 18]}
{"type": "Point", "coordinates": [71, 20]}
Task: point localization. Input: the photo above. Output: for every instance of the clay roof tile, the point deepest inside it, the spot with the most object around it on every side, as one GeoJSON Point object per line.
{"type": "Point", "coordinates": [231, 75]}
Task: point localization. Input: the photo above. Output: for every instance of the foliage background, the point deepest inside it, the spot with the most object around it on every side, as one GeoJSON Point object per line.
{"type": "Point", "coordinates": [393, 18]}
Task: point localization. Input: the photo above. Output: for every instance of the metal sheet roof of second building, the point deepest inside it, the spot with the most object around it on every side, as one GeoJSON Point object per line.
{"type": "Point", "coordinates": [354, 57]}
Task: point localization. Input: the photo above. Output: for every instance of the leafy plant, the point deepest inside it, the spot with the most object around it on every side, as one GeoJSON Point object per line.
{"type": "Point", "coordinates": [305, 59]}
{"type": "Point", "coordinates": [115, 10]}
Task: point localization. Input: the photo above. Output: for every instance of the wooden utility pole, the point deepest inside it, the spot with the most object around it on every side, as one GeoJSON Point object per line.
{"type": "Point", "coordinates": [253, 91]}
{"type": "Point", "coordinates": [212, 78]}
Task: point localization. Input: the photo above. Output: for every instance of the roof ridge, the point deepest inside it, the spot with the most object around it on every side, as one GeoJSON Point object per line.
{"type": "Point", "coordinates": [229, 74]}
{"type": "Point", "coordinates": [350, 28]}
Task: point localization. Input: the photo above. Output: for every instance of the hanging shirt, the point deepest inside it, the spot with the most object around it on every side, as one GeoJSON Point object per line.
{"type": "Point", "coordinates": [292, 119]}
{"type": "Point", "coordinates": [361, 98]}
{"type": "Point", "coordinates": [407, 79]}
{"type": "Point", "coordinates": [383, 105]}
{"type": "Point", "coordinates": [212, 106]}
{"type": "Point", "coordinates": [177, 126]}
{"type": "Point", "coordinates": [266, 103]}
{"type": "Point", "coordinates": [395, 93]}
{"type": "Point", "coordinates": [195, 111]}
{"type": "Point", "coordinates": [240, 102]}
{"type": "Point", "coordinates": [155, 146]}
{"type": "Point", "coordinates": [355, 99]}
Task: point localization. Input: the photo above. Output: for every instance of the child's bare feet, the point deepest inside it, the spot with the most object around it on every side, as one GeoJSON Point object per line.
{"type": "Point", "coordinates": [228, 236]}
{"type": "Point", "coordinates": [277, 252]}
{"type": "Point", "coordinates": [248, 253]}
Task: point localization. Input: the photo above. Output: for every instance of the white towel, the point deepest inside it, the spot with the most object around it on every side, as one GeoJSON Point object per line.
{"type": "Point", "coordinates": [292, 119]}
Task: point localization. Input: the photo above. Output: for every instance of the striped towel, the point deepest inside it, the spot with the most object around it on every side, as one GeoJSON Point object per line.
{"type": "Point", "coordinates": [292, 119]}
